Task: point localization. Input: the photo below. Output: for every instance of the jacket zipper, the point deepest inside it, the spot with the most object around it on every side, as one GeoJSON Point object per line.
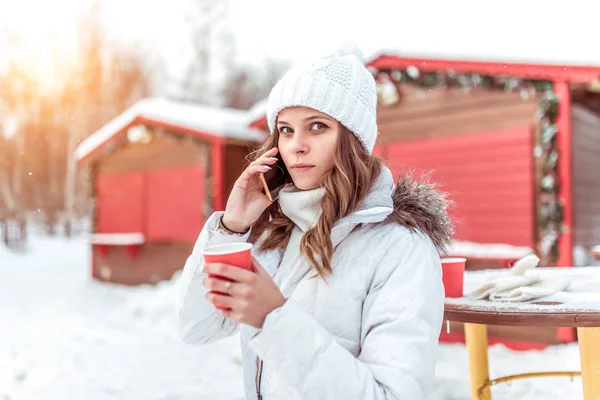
{"type": "Point", "coordinates": [259, 367]}
{"type": "Point", "coordinates": [259, 362]}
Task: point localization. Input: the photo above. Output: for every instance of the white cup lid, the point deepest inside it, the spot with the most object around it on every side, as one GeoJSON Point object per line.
{"type": "Point", "coordinates": [453, 259]}
{"type": "Point", "coordinates": [227, 249]}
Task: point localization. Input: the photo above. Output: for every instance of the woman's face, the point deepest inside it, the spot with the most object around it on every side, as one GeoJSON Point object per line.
{"type": "Point", "coordinates": [307, 143]}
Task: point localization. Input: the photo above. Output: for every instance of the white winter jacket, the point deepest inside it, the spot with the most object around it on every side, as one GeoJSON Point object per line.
{"type": "Point", "coordinates": [370, 332]}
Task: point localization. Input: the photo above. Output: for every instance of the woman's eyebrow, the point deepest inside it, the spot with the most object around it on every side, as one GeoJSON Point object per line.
{"type": "Point", "coordinates": [316, 117]}
{"type": "Point", "coordinates": [311, 118]}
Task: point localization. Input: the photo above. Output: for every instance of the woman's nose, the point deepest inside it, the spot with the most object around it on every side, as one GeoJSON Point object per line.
{"type": "Point", "coordinates": [299, 144]}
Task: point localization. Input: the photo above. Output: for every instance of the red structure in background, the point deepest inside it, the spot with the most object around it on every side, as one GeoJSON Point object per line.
{"type": "Point", "coordinates": [478, 231]}
{"type": "Point", "coordinates": [467, 164]}
{"type": "Point", "coordinates": [158, 170]}
{"type": "Point", "coordinates": [491, 173]}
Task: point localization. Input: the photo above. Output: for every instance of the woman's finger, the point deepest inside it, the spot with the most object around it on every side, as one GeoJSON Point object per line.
{"type": "Point", "coordinates": [260, 168]}
{"type": "Point", "coordinates": [220, 300]}
{"type": "Point", "coordinates": [232, 315]}
{"type": "Point", "coordinates": [271, 152]}
{"type": "Point", "coordinates": [219, 285]}
{"type": "Point", "coordinates": [230, 272]}
{"type": "Point", "coordinates": [264, 161]}
{"type": "Point", "coordinates": [254, 170]}
{"type": "Point", "coordinates": [267, 158]}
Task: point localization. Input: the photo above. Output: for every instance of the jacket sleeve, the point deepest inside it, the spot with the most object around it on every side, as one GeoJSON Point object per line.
{"type": "Point", "coordinates": [401, 321]}
{"type": "Point", "coordinates": [198, 321]}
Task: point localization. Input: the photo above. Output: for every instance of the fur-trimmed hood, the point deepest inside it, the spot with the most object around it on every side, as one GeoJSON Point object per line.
{"type": "Point", "coordinates": [411, 201]}
{"type": "Point", "coordinates": [419, 205]}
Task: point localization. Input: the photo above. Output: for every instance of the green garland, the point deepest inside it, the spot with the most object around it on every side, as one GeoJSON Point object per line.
{"type": "Point", "coordinates": [549, 207]}
{"type": "Point", "coordinates": [92, 182]}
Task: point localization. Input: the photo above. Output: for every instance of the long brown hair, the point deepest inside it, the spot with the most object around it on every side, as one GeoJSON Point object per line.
{"type": "Point", "coordinates": [347, 184]}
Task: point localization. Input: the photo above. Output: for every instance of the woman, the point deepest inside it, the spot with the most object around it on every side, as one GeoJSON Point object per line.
{"type": "Point", "coordinates": [346, 298]}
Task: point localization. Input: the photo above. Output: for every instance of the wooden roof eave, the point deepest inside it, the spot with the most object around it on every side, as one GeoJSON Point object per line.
{"type": "Point", "coordinates": [555, 73]}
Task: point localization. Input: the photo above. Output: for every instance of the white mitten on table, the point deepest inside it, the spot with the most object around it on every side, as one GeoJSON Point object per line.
{"type": "Point", "coordinates": [515, 278]}
{"type": "Point", "coordinates": [542, 288]}
{"type": "Point", "coordinates": [502, 284]}
{"type": "Point", "coordinates": [524, 264]}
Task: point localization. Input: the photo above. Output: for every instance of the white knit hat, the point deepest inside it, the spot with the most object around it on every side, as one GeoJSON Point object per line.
{"type": "Point", "coordinates": [338, 85]}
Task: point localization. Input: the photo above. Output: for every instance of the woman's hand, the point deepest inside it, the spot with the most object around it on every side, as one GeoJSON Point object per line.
{"type": "Point", "coordinates": [247, 201]}
{"type": "Point", "coordinates": [251, 295]}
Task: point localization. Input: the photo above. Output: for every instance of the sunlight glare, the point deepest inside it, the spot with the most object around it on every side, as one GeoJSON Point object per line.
{"type": "Point", "coordinates": [10, 127]}
{"type": "Point", "coordinates": [46, 36]}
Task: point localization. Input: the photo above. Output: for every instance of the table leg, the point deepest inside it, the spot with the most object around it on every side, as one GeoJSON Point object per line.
{"type": "Point", "coordinates": [477, 348]}
{"type": "Point", "coordinates": [589, 353]}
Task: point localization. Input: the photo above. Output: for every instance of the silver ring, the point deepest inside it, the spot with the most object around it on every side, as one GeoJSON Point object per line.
{"type": "Point", "coordinates": [227, 286]}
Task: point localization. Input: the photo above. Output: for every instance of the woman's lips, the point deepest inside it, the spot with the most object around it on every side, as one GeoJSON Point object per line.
{"type": "Point", "coordinates": [302, 168]}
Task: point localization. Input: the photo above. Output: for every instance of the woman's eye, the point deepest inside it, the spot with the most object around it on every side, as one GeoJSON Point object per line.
{"type": "Point", "coordinates": [317, 126]}
{"type": "Point", "coordinates": [284, 129]}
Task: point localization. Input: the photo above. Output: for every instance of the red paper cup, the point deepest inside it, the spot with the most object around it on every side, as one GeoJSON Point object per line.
{"type": "Point", "coordinates": [236, 254]}
{"type": "Point", "coordinates": [595, 252]}
{"type": "Point", "coordinates": [453, 274]}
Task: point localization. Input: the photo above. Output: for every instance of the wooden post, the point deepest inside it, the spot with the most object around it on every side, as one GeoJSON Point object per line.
{"type": "Point", "coordinates": [4, 226]}
{"type": "Point", "coordinates": [565, 168]}
{"type": "Point", "coordinates": [477, 343]}
{"type": "Point", "coordinates": [589, 352]}
{"type": "Point", "coordinates": [218, 174]}
{"type": "Point", "coordinates": [22, 233]}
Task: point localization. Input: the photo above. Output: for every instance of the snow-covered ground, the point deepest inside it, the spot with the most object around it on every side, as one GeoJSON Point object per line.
{"type": "Point", "coordinates": [65, 337]}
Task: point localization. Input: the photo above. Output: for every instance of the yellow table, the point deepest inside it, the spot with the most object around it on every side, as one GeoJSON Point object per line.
{"type": "Point", "coordinates": [477, 316]}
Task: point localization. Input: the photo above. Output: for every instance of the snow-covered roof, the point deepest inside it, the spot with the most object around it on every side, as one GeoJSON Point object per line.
{"type": "Point", "coordinates": [215, 121]}
{"type": "Point", "coordinates": [258, 111]}
{"type": "Point", "coordinates": [490, 57]}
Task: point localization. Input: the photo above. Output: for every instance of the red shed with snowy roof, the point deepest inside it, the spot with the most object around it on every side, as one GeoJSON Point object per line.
{"type": "Point", "coordinates": [157, 171]}
{"type": "Point", "coordinates": [513, 144]}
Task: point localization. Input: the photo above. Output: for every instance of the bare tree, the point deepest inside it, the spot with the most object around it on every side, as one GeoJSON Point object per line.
{"type": "Point", "coordinates": [212, 48]}
{"type": "Point", "coordinates": [37, 165]}
{"type": "Point", "coordinates": [17, 99]}
{"type": "Point", "coordinates": [7, 200]}
{"type": "Point", "coordinates": [250, 85]}
{"type": "Point", "coordinates": [107, 81]}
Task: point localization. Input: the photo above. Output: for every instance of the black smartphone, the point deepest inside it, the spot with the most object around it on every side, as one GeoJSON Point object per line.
{"type": "Point", "coordinates": [275, 179]}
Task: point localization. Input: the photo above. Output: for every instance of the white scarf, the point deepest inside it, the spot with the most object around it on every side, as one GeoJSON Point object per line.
{"type": "Point", "coordinates": [303, 207]}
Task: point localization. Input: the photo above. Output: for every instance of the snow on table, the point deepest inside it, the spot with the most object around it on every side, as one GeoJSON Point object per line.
{"type": "Point", "coordinates": [568, 301]}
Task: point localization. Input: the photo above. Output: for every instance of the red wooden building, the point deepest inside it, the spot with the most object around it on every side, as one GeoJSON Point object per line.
{"type": "Point", "coordinates": [512, 143]}
{"type": "Point", "coordinates": [157, 171]}
{"type": "Point", "coordinates": [516, 146]}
